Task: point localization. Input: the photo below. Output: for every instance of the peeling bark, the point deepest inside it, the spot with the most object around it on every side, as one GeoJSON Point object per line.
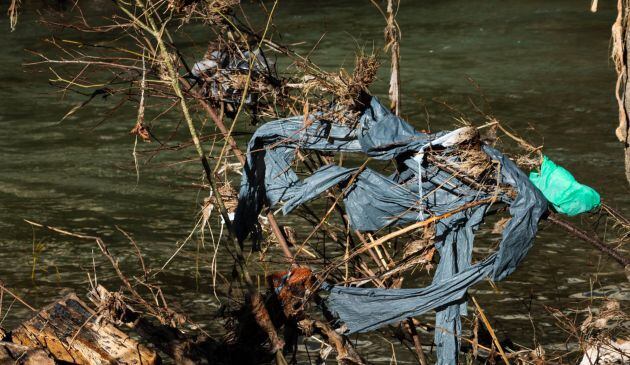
{"type": "Point", "coordinates": [620, 56]}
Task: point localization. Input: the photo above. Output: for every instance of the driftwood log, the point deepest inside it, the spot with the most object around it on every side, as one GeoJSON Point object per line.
{"type": "Point", "coordinates": [12, 354]}
{"type": "Point", "coordinates": [183, 348]}
{"type": "Point", "coordinates": [69, 331]}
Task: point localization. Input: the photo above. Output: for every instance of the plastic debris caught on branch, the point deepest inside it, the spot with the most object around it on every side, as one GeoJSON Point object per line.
{"type": "Point", "coordinates": [372, 201]}
{"type": "Point", "coordinates": [562, 190]}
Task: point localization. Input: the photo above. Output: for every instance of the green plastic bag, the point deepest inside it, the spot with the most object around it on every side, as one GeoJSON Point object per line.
{"type": "Point", "coordinates": [561, 189]}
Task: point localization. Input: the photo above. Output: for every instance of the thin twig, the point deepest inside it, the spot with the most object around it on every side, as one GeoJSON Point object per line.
{"type": "Point", "coordinates": [491, 331]}
{"type": "Point", "coordinates": [17, 297]}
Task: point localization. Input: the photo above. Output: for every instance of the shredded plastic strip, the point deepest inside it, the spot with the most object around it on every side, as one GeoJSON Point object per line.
{"type": "Point", "coordinates": [374, 201]}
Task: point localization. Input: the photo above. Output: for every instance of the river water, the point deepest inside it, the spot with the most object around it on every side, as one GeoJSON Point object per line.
{"type": "Point", "coordinates": [541, 67]}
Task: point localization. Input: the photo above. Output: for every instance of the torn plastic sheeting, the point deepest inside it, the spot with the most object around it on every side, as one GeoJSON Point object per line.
{"type": "Point", "coordinates": [374, 201]}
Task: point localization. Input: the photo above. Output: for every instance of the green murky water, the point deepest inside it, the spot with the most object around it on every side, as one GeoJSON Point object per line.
{"type": "Point", "coordinates": [539, 64]}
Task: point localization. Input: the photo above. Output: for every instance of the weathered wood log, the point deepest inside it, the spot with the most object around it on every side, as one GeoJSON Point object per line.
{"type": "Point", "coordinates": [69, 331]}
{"type": "Point", "coordinates": [11, 354]}
{"type": "Point", "coordinates": [184, 349]}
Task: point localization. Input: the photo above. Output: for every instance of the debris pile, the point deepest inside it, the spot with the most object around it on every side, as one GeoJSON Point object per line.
{"type": "Point", "coordinates": [377, 200]}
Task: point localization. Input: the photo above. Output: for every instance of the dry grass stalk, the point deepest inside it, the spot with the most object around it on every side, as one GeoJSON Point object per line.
{"type": "Point", "coordinates": [161, 312]}
{"type": "Point", "coordinates": [336, 96]}
{"type": "Point", "coordinates": [603, 337]}
{"type": "Point", "coordinates": [491, 330]}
